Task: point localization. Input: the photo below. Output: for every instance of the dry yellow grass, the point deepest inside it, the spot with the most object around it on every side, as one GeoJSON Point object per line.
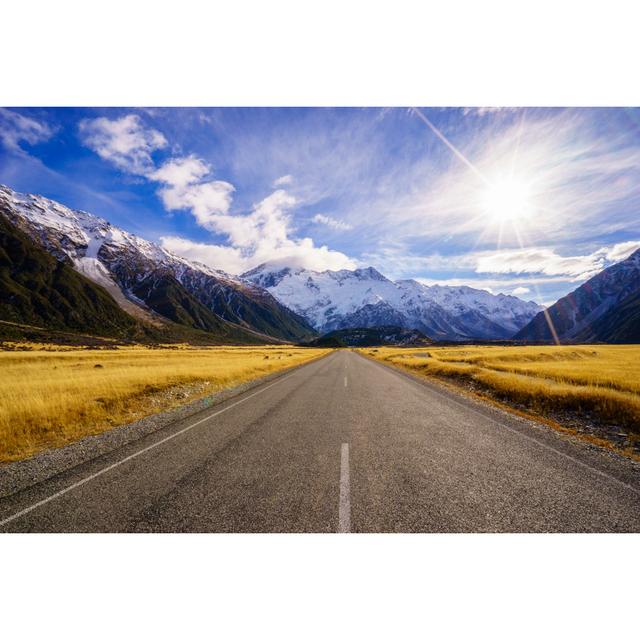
{"type": "Point", "coordinates": [50, 397]}
{"type": "Point", "coordinates": [602, 380]}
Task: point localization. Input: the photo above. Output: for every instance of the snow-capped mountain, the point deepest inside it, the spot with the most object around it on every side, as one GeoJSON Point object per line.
{"type": "Point", "coordinates": [132, 269]}
{"type": "Point", "coordinates": [152, 283]}
{"type": "Point", "coordinates": [594, 311]}
{"type": "Point", "coordinates": [332, 300]}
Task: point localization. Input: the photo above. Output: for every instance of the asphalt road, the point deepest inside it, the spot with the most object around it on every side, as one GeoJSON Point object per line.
{"type": "Point", "coordinates": [341, 444]}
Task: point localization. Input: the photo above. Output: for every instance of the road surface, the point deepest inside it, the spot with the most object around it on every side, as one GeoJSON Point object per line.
{"type": "Point", "coordinates": [343, 444]}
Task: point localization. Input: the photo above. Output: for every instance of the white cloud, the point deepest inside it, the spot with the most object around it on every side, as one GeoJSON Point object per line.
{"type": "Point", "coordinates": [549, 262]}
{"type": "Point", "coordinates": [328, 221]}
{"type": "Point", "coordinates": [520, 291]}
{"type": "Point", "coordinates": [16, 128]}
{"type": "Point", "coordinates": [545, 261]}
{"type": "Point", "coordinates": [622, 250]}
{"type": "Point", "coordinates": [283, 181]}
{"type": "Point", "coordinates": [229, 259]}
{"type": "Point", "coordinates": [260, 236]}
{"type": "Point", "coordinates": [124, 142]}
{"type": "Point", "coordinates": [180, 172]}
{"type": "Point", "coordinates": [206, 200]}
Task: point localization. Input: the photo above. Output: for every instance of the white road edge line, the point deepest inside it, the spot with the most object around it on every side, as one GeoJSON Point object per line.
{"type": "Point", "coordinates": [604, 474]}
{"type": "Point", "coordinates": [138, 453]}
{"type": "Point", "coordinates": [344, 507]}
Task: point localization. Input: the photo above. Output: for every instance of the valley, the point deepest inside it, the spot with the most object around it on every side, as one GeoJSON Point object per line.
{"type": "Point", "coordinates": [152, 330]}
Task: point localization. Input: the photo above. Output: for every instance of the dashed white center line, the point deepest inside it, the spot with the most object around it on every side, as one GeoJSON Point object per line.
{"type": "Point", "coordinates": [345, 381]}
{"type": "Point", "coordinates": [344, 508]}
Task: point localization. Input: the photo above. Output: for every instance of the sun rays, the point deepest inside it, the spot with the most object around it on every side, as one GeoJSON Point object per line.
{"type": "Point", "coordinates": [503, 198]}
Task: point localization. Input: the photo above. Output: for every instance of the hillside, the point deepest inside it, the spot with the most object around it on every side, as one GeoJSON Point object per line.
{"type": "Point", "coordinates": [135, 272]}
{"type": "Point", "coordinates": [45, 298]}
{"type": "Point", "coordinates": [37, 289]}
{"type": "Point", "coordinates": [621, 324]}
{"type": "Point", "coordinates": [371, 337]}
{"type": "Point", "coordinates": [594, 311]}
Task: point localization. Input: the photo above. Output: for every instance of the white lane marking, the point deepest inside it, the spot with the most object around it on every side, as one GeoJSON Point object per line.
{"type": "Point", "coordinates": [429, 387]}
{"type": "Point", "coordinates": [345, 381]}
{"type": "Point", "coordinates": [137, 453]}
{"type": "Point", "coordinates": [344, 508]}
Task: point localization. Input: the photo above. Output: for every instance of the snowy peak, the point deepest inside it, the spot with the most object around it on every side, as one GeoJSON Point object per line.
{"type": "Point", "coordinates": [77, 234]}
{"type": "Point", "coordinates": [283, 300]}
{"type": "Point", "coordinates": [332, 300]}
{"type": "Point", "coordinates": [366, 274]}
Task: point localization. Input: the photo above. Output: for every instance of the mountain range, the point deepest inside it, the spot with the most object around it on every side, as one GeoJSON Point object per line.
{"type": "Point", "coordinates": [331, 300]}
{"type": "Point", "coordinates": [68, 270]}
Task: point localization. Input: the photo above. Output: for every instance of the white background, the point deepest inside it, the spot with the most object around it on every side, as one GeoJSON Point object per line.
{"type": "Point", "coordinates": [487, 53]}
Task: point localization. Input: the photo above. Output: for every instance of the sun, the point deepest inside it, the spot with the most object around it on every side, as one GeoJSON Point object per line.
{"type": "Point", "coordinates": [507, 200]}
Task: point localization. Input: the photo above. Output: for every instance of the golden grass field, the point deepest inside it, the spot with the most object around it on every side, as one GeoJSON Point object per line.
{"type": "Point", "coordinates": [600, 380]}
{"type": "Point", "coordinates": [51, 396]}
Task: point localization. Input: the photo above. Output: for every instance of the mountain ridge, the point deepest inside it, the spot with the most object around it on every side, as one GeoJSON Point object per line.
{"type": "Point", "coordinates": [332, 300]}
{"type": "Point", "coordinates": [578, 316]}
{"type": "Point", "coordinates": [120, 261]}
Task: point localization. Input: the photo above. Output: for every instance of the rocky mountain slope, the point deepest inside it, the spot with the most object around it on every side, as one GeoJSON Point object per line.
{"type": "Point", "coordinates": [147, 281]}
{"type": "Point", "coordinates": [605, 308]}
{"type": "Point", "coordinates": [36, 289]}
{"type": "Point", "coordinates": [332, 300]}
{"type": "Point", "coordinates": [621, 324]}
{"type": "Point", "coordinates": [43, 298]}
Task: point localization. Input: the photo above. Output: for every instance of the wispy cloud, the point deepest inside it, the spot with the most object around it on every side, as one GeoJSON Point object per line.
{"type": "Point", "coordinates": [520, 291]}
{"type": "Point", "coordinates": [577, 175]}
{"type": "Point", "coordinates": [332, 223]}
{"type": "Point", "coordinates": [125, 142]}
{"type": "Point", "coordinates": [16, 128]}
{"type": "Point", "coordinates": [549, 262]}
{"type": "Point", "coordinates": [484, 111]}
{"type": "Point", "coordinates": [283, 181]}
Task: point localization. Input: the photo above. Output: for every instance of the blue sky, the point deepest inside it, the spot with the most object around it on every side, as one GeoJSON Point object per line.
{"type": "Point", "coordinates": [531, 201]}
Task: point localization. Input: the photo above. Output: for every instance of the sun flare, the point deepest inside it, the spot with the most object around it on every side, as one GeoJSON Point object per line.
{"type": "Point", "coordinates": [507, 200]}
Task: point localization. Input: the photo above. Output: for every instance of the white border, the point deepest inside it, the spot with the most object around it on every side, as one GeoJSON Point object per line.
{"type": "Point", "coordinates": [318, 586]}
{"type": "Point", "coordinates": [331, 53]}
{"type": "Point", "coordinates": [287, 52]}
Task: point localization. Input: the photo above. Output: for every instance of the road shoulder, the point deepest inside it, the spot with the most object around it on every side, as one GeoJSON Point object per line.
{"type": "Point", "coordinates": [604, 460]}
{"type": "Point", "coordinates": [20, 475]}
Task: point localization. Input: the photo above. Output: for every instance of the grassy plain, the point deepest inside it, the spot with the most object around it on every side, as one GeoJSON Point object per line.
{"type": "Point", "coordinates": [601, 381]}
{"type": "Point", "coordinates": [51, 396]}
